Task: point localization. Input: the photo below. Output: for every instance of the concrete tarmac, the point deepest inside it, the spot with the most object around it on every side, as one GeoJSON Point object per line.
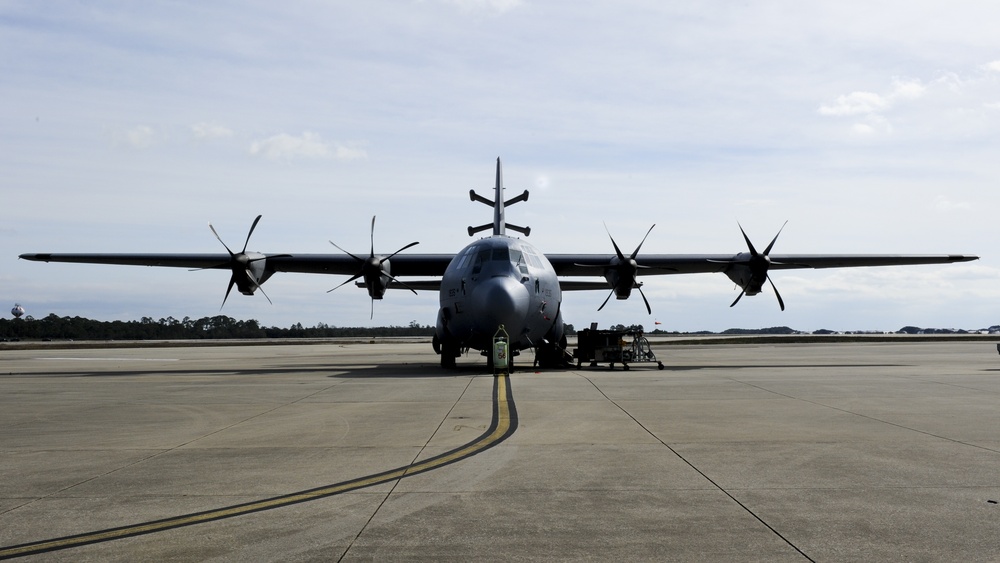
{"type": "Point", "coordinates": [750, 452]}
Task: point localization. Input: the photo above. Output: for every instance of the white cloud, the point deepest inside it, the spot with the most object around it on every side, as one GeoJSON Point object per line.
{"type": "Point", "coordinates": [139, 137]}
{"type": "Point", "coordinates": [873, 106]}
{"type": "Point", "coordinates": [861, 103]}
{"type": "Point", "coordinates": [345, 152]}
{"type": "Point", "coordinates": [495, 6]}
{"type": "Point", "coordinates": [943, 203]}
{"type": "Point", "coordinates": [205, 130]}
{"type": "Point", "coordinates": [908, 89]}
{"type": "Point", "coordinates": [993, 66]}
{"type": "Point", "coordinates": [855, 103]}
{"type": "Point", "coordinates": [862, 129]}
{"type": "Point", "coordinates": [308, 145]}
{"type": "Point", "coordinates": [873, 124]}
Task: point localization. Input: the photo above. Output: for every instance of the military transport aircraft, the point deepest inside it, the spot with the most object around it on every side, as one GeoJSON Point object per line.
{"type": "Point", "coordinates": [500, 280]}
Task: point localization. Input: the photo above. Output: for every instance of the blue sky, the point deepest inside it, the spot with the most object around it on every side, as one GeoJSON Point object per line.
{"type": "Point", "coordinates": [870, 127]}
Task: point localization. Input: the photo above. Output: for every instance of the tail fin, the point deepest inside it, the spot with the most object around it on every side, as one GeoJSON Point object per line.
{"type": "Point", "coordinates": [499, 225]}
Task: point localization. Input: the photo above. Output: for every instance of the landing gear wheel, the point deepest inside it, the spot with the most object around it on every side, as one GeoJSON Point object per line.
{"type": "Point", "coordinates": [448, 354]}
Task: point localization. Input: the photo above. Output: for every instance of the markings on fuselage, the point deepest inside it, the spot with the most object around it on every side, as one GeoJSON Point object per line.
{"type": "Point", "coordinates": [503, 425]}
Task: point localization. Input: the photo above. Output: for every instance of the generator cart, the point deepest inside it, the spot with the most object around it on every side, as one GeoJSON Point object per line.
{"type": "Point", "coordinates": [611, 346]}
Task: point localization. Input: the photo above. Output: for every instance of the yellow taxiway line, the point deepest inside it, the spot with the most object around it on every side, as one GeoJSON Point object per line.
{"type": "Point", "coordinates": [504, 424]}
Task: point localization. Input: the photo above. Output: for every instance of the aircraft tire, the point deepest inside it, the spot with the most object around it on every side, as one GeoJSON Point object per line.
{"type": "Point", "coordinates": [448, 354]}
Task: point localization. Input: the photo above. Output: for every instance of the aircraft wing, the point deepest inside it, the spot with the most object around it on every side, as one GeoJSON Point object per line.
{"type": "Point", "coordinates": [336, 264]}
{"type": "Point", "coordinates": [664, 264]}
{"type": "Point", "coordinates": [566, 265]}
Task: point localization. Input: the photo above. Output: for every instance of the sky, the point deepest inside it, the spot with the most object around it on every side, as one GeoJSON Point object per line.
{"type": "Point", "coordinates": [871, 127]}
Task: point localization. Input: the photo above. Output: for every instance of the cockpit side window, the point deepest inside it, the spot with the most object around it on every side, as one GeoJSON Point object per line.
{"type": "Point", "coordinates": [517, 258]}
{"type": "Point", "coordinates": [531, 259]}
{"type": "Point", "coordinates": [464, 260]}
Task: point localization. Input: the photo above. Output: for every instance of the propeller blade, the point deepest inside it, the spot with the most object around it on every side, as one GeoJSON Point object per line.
{"type": "Point", "coordinates": [768, 249]}
{"type": "Point", "coordinates": [642, 242]}
{"type": "Point", "coordinates": [649, 309]}
{"type": "Point", "coordinates": [232, 282]}
{"type": "Point", "coordinates": [606, 300]}
{"type": "Point", "coordinates": [354, 277]}
{"type": "Point", "coordinates": [398, 251]}
{"type": "Point", "coordinates": [346, 252]}
{"type": "Point", "coordinates": [753, 251]}
{"type": "Point", "coordinates": [776, 294]}
{"type": "Point", "coordinates": [400, 283]}
{"type": "Point", "coordinates": [373, 247]}
{"type": "Point", "coordinates": [220, 239]}
{"type": "Point", "coordinates": [252, 227]}
{"type": "Point", "coordinates": [742, 293]}
{"type": "Point", "coordinates": [618, 251]}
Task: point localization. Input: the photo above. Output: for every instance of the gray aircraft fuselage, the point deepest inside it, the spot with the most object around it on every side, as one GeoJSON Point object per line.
{"type": "Point", "coordinates": [497, 281]}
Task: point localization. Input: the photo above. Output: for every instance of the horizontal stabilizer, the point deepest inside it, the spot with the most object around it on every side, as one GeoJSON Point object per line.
{"type": "Point", "coordinates": [523, 230]}
{"type": "Point", "coordinates": [480, 228]}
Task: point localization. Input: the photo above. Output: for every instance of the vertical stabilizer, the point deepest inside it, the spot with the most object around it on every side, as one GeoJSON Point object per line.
{"type": "Point", "coordinates": [499, 222]}
{"type": "Point", "coordinates": [499, 225]}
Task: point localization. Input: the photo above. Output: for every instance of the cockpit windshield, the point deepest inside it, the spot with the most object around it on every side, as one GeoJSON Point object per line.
{"type": "Point", "coordinates": [477, 257]}
{"type": "Point", "coordinates": [500, 254]}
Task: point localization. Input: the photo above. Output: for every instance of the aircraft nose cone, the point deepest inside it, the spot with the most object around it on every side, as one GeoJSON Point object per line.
{"type": "Point", "coordinates": [501, 301]}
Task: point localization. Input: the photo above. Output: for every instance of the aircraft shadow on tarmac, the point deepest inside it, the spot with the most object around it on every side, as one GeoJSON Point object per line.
{"type": "Point", "coordinates": [340, 371]}
{"type": "Point", "coordinates": [325, 369]}
{"type": "Point", "coordinates": [421, 370]}
{"type": "Point", "coordinates": [699, 367]}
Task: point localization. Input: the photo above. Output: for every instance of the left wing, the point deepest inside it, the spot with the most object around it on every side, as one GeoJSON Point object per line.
{"type": "Point", "coordinates": [336, 264]}
{"type": "Point", "coordinates": [251, 269]}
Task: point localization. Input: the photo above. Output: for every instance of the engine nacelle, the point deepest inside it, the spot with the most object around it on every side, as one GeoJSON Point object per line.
{"type": "Point", "coordinates": [377, 275]}
{"type": "Point", "coordinates": [620, 284]}
{"type": "Point", "coordinates": [749, 272]}
{"type": "Point", "coordinates": [255, 273]}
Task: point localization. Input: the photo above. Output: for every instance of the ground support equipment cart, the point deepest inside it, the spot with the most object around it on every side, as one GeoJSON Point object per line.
{"type": "Point", "coordinates": [611, 346]}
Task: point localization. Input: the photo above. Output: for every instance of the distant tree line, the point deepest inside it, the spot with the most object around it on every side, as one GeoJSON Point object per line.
{"type": "Point", "coordinates": [55, 327]}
